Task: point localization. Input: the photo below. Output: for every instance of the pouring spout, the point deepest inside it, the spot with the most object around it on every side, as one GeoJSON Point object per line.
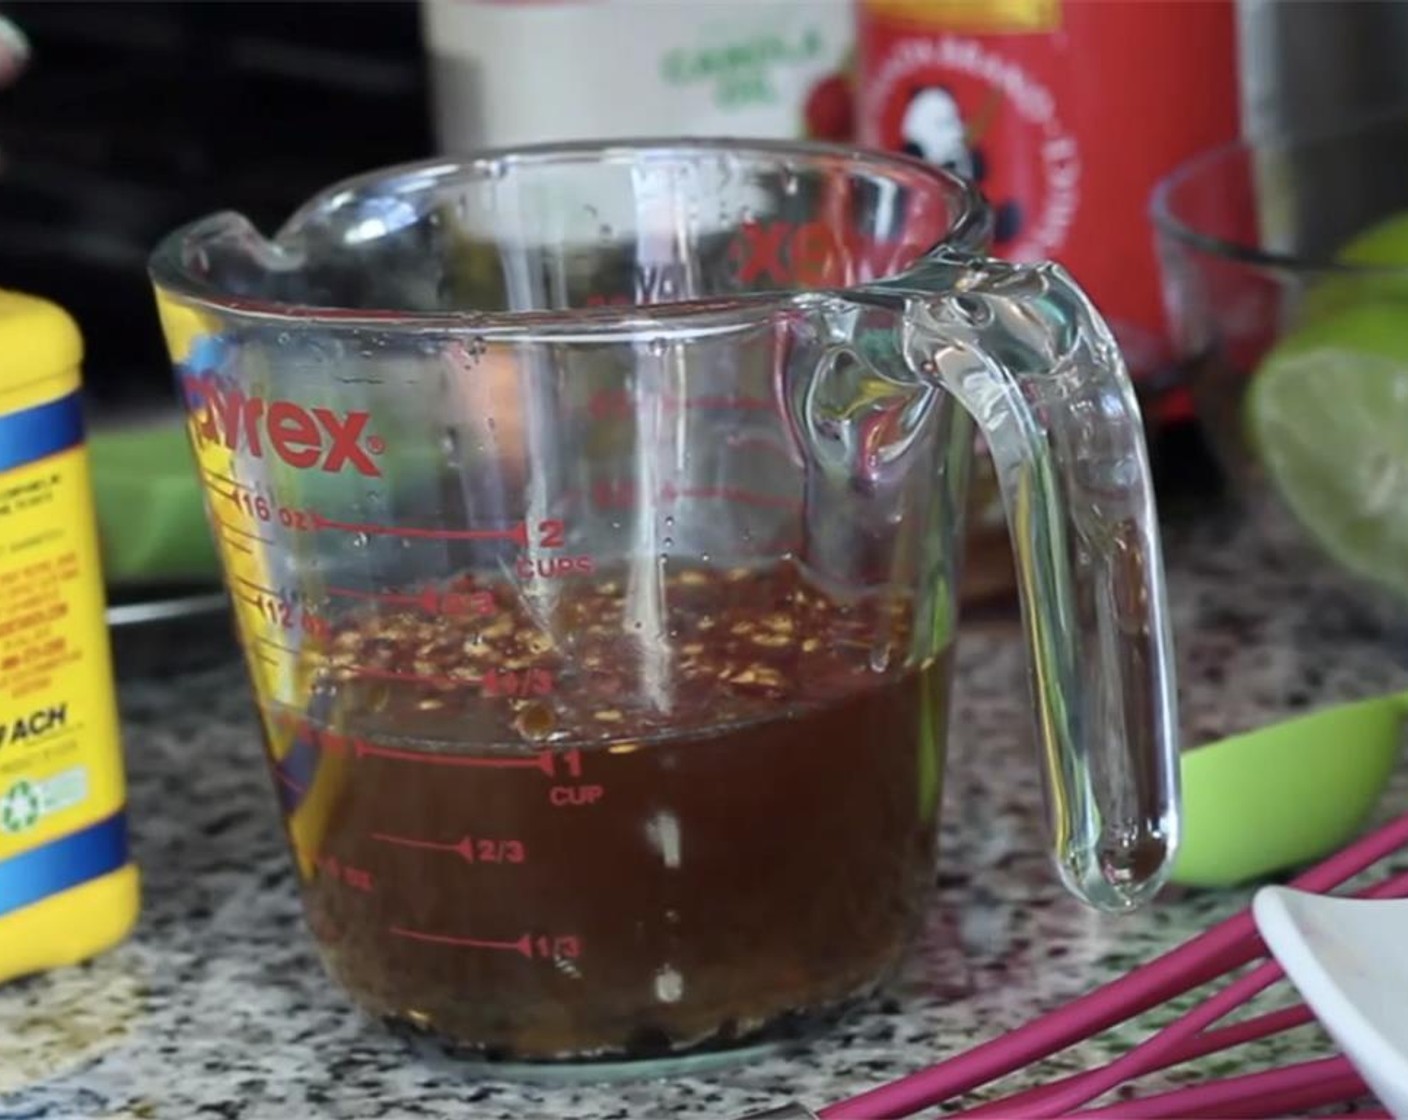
{"type": "Point", "coordinates": [223, 258]}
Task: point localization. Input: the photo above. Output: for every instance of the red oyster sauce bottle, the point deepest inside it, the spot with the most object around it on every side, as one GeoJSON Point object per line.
{"type": "Point", "coordinates": [1066, 113]}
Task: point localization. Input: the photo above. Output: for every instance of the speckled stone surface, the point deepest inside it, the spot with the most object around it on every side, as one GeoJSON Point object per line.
{"type": "Point", "coordinates": [217, 1006]}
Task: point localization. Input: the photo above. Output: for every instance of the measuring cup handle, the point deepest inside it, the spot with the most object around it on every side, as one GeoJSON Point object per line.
{"type": "Point", "coordinates": [1024, 351]}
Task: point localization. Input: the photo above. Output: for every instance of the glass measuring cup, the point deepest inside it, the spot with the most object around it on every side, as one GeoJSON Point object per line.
{"type": "Point", "coordinates": [592, 521]}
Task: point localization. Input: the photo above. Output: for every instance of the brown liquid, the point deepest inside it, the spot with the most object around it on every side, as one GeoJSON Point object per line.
{"type": "Point", "coordinates": [592, 872]}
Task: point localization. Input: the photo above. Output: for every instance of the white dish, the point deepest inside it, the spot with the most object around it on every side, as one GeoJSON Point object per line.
{"type": "Point", "coordinates": [1348, 958]}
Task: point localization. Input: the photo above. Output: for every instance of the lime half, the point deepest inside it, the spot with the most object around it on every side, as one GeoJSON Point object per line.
{"type": "Point", "coordinates": [1327, 414]}
{"type": "Point", "coordinates": [1384, 244]}
{"type": "Point", "coordinates": [1378, 257]}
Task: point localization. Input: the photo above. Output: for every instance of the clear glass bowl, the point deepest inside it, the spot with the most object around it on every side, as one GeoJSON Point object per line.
{"type": "Point", "coordinates": [1249, 239]}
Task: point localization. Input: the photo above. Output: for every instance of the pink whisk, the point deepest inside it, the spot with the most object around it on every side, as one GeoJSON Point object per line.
{"type": "Point", "coordinates": [1206, 957]}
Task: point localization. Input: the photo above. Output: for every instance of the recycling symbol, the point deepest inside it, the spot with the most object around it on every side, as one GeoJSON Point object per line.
{"type": "Point", "coordinates": [20, 807]}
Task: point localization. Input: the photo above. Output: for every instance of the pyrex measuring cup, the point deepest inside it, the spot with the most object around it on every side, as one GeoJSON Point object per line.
{"type": "Point", "coordinates": [592, 517]}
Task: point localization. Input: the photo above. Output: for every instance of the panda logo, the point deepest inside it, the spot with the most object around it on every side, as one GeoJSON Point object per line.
{"type": "Point", "coordinates": [933, 130]}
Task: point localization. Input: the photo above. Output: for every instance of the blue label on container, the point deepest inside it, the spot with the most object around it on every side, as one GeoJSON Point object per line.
{"type": "Point", "coordinates": [38, 432]}
{"type": "Point", "coordinates": [69, 861]}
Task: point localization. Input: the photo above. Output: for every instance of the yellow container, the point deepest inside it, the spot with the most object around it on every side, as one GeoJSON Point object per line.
{"type": "Point", "coordinates": [68, 887]}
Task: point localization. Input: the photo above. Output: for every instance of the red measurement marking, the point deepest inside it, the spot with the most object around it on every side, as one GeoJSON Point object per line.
{"type": "Point", "coordinates": [506, 682]}
{"type": "Point", "coordinates": [554, 567]}
{"type": "Point", "coordinates": [412, 678]}
{"type": "Point", "coordinates": [332, 742]}
{"type": "Point", "coordinates": [286, 614]}
{"type": "Point", "coordinates": [241, 532]}
{"type": "Point", "coordinates": [727, 494]}
{"type": "Point", "coordinates": [516, 533]}
{"type": "Point", "coordinates": [552, 534]}
{"type": "Point", "coordinates": [430, 600]}
{"type": "Point", "coordinates": [761, 445]}
{"type": "Point", "coordinates": [607, 495]}
{"type": "Point", "coordinates": [259, 507]}
{"type": "Point", "coordinates": [542, 761]}
{"type": "Point", "coordinates": [467, 602]}
{"type": "Point", "coordinates": [625, 495]}
{"type": "Point", "coordinates": [731, 404]}
{"type": "Point", "coordinates": [560, 797]}
{"type": "Point", "coordinates": [563, 946]}
{"type": "Point", "coordinates": [284, 780]}
{"type": "Point", "coordinates": [523, 946]}
{"type": "Point", "coordinates": [384, 596]}
{"type": "Point", "coordinates": [464, 848]}
{"type": "Point", "coordinates": [495, 683]}
{"type": "Point", "coordinates": [357, 878]}
{"type": "Point", "coordinates": [613, 403]}
{"type": "Point", "coordinates": [468, 849]}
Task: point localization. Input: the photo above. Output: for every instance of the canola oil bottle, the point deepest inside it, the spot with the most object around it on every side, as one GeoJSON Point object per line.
{"type": "Point", "coordinates": [68, 887]}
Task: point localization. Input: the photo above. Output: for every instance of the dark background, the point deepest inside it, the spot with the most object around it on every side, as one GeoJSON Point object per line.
{"type": "Point", "coordinates": [132, 118]}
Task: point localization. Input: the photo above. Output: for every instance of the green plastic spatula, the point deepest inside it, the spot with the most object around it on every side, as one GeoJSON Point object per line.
{"type": "Point", "coordinates": [1272, 799]}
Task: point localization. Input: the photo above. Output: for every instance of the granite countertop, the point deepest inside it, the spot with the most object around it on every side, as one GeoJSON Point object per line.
{"type": "Point", "coordinates": [218, 1007]}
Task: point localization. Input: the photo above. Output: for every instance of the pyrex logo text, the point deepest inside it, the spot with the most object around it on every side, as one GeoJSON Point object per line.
{"type": "Point", "coordinates": [778, 253]}
{"type": "Point", "coordinates": [305, 438]}
{"type": "Point", "coordinates": [815, 253]}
